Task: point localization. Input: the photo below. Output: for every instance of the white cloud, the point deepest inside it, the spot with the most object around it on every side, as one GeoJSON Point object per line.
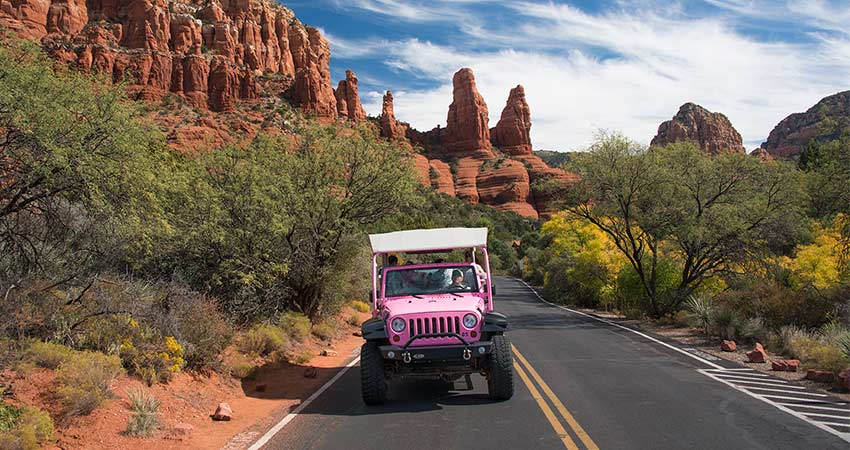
{"type": "Point", "coordinates": [654, 61]}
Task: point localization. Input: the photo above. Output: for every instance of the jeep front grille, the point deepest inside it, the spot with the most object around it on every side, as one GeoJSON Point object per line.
{"type": "Point", "coordinates": [433, 325]}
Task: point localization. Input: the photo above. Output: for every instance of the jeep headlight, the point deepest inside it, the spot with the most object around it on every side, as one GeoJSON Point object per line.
{"type": "Point", "coordinates": [397, 324]}
{"type": "Point", "coordinates": [470, 320]}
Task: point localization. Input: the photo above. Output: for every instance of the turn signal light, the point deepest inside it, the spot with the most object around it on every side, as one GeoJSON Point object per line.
{"type": "Point", "coordinates": [473, 333]}
{"type": "Point", "coordinates": [395, 338]}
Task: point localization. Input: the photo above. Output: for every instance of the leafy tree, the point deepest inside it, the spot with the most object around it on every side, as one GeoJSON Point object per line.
{"type": "Point", "coordinates": [706, 213]}
{"type": "Point", "coordinates": [74, 155]}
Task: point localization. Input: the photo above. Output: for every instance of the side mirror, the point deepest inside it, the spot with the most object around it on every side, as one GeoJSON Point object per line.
{"type": "Point", "coordinates": [493, 290]}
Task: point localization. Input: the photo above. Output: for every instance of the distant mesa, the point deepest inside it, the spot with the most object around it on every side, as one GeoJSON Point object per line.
{"type": "Point", "coordinates": [822, 122]}
{"type": "Point", "coordinates": [711, 131]}
{"type": "Point", "coordinates": [468, 159]}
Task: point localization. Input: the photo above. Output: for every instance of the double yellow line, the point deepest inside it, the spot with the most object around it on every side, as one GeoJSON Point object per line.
{"type": "Point", "coordinates": [571, 422]}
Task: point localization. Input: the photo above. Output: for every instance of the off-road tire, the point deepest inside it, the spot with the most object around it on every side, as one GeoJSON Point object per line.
{"type": "Point", "coordinates": [500, 380]}
{"type": "Point", "coordinates": [373, 382]}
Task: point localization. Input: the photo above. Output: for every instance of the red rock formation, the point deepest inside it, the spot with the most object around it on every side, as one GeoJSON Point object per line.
{"type": "Point", "coordinates": [513, 132]}
{"type": "Point", "coordinates": [504, 184]}
{"type": "Point", "coordinates": [422, 169]}
{"type": "Point", "coordinates": [467, 129]}
{"type": "Point", "coordinates": [712, 131]}
{"type": "Point", "coordinates": [466, 184]}
{"type": "Point", "coordinates": [823, 122]}
{"type": "Point", "coordinates": [441, 177]}
{"type": "Point", "coordinates": [761, 154]}
{"type": "Point", "coordinates": [348, 104]}
{"type": "Point", "coordinates": [171, 45]}
{"type": "Point", "coordinates": [311, 56]}
{"type": "Point", "coordinates": [390, 127]}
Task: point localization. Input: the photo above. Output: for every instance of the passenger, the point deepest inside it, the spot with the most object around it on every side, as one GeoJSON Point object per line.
{"type": "Point", "coordinates": [482, 275]}
{"type": "Point", "coordinates": [457, 281]}
{"type": "Point", "coordinates": [393, 260]}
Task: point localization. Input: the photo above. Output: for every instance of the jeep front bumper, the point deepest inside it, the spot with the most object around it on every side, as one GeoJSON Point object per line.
{"type": "Point", "coordinates": [437, 354]}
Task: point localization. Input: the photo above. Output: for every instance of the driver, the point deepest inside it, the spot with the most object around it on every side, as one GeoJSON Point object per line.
{"type": "Point", "coordinates": [457, 280]}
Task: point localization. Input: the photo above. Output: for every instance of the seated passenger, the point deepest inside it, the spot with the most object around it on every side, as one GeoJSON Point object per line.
{"type": "Point", "coordinates": [457, 281]}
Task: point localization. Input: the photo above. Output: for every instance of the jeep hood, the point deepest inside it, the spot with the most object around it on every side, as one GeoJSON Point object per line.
{"type": "Point", "coordinates": [433, 304]}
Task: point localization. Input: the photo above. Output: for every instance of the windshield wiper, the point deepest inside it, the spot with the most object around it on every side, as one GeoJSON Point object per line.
{"type": "Point", "coordinates": [417, 296]}
{"type": "Point", "coordinates": [456, 295]}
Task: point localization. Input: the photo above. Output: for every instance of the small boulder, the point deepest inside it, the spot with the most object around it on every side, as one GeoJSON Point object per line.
{"type": "Point", "coordinates": [311, 372]}
{"type": "Point", "coordinates": [786, 365]}
{"type": "Point", "coordinates": [329, 353]}
{"type": "Point", "coordinates": [820, 376]}
{"type": "Point", "coordinates": [223, 412]}
{"type": "Point", "coordinates": [180, 432]}
{"type": "Point", "coordinates": [758, 355]}
{"type": "Point", "coordinates": [728, 346]}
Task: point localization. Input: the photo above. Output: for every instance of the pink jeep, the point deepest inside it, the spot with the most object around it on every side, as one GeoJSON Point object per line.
{"type": "Point", "coordinates": [433, 320]}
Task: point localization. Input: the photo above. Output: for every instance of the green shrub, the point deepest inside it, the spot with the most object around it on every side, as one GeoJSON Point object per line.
{"type": "Point", "coordinates": [702, 311]}
{"type": "Point", "coordinates": [144, 420]}
{"type": "Point", "coordinates": [826, 357]}
{"type": "Point", "coordinates": [240, 366]}
{"type": "Point", "coordinates": [844, 345]}
{"type": "Point", "coordinates": [354, 320]}
{"type": "Point", "coordinates": [361, 306]}
{"type": "Point", "coordinates": [262, 339]}
{"type": "Point", "coordinates": [296, 325]}
{"type": "Point", "coordinates": [304, 357]}
{"type": "Point", "coordinates": [30, 429]}
{"type": "Point", "coordinates": [324, 331]}
{"type": "Point", "coordinates": [48, 354]}
{"type": "Point", "coordinates": [203, 332]}
{"type": "Point", "coordinates": [9, 416]}
{"type": "Point", "coordinates": [153, 362]}
{"type": "Point", "coordinates": [727, 324]}
{"type": "Point", "coordinates": [84, 382]}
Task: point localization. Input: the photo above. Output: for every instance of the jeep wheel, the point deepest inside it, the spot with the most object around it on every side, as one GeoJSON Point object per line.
{"type": "Point", "coordinates": [500, 382]}
{"type": "Point", "coordinates": [373, 384]}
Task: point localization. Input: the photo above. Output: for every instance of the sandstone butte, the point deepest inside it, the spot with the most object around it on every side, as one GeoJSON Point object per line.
{"type": "Point", "coordinates": [216, 54]}
{"type": "Point", "coordinates": [711, 131]}
{"type": "Point", "coordinates": [822, 122]}
{"type": "Point", "coordinates": [470, 160]}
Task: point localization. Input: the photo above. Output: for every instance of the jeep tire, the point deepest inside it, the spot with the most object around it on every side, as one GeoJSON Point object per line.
{"type": "Point", "coordinates": [500, 379]}
{"type": "Point", "coordinates": [373, 383]}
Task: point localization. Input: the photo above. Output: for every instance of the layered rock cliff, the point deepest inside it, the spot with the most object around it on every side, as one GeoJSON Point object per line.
{"type": "Point", "coordinates": [470, 160]}
{"type": "Point", "coordinates": [711, 131]}
{"type": "Point", "coordinates": [822, 122]}
{"type": "Point", "coordinates": [208, 52]}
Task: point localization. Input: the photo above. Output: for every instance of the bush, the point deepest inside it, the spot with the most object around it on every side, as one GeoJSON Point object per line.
{"type": "Point", "coordinates": [324, 331]}
{"type": "Point", "coordinates": [826, 357]}
{"type": "Point", "coordinates": [48, 354]}
{"type": "Point", "coordinates": [84, 382]}
{"type": "Point", "coordinates": [240, 366]}
{"type": "Point", "coordinates": [354, 320]}
{"type": "Point", "coordinates": [144, 420]}
{"type": "Point", "coordinates": [296, 325]}
{"type": "Point", "coordinates": [702, 312]}
{"type": "Point", "coordinates": [262, 340]}
{"type": "Point", "coordinates": [304, 357]}
{"type": "Point", "coordinates": [203, 331]}
{"type": "Point", "coordinates": [361, 306]}
{"type": "Point", "coordinates": [153, 362]}
{"type": "Point", "coordinates": [24, 428]}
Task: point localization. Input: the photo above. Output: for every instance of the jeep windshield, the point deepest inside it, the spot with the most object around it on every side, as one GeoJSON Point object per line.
{"type": "Point", "coordinates": [430, 280]}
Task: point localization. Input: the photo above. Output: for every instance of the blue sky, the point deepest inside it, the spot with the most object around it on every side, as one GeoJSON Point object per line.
{"type": "Point", "coordinates": [587, 66]}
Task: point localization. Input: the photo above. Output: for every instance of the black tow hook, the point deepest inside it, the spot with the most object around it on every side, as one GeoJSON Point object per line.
{"type": "Point", "coordinates": [467, 353]}
{"type": "Point", "coordinates": [406, 357]}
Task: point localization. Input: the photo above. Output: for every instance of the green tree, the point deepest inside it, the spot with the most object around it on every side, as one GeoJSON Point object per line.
{"type": "Point", "coordinates": [706, 213]}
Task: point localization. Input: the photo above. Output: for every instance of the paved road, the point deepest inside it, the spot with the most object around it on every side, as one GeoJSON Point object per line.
{"type": "Point", "coordinates": [582, 384]}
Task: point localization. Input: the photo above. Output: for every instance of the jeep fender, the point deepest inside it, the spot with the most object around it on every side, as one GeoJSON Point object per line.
{"type": "Point", "coordinates": [374, 329]}
{"type": "Point", "coordinates": [494, 323]}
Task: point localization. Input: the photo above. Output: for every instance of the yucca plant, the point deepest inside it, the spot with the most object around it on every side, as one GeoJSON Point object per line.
{"type": "Point", "coordinates": [145, 407]}
{"type": "Point", "coordinates": [702, 311]}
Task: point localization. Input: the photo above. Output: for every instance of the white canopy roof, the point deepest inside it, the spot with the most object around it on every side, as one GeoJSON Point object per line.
{"type": "Point", "coordinates": [425, 240]}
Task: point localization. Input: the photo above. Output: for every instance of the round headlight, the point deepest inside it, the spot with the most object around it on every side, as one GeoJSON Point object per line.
{"type": "Point", "coordinates": [470, 320]}
{"type": "Point", "coordinates": [397, 324]}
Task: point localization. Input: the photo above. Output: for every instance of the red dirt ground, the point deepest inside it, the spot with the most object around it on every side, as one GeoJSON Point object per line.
{"type": "Point", "coordinates": [192, 398]}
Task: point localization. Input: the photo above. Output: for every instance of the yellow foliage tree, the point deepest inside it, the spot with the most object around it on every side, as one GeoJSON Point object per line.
{"type": "Point", "coordinates": [819, 263]}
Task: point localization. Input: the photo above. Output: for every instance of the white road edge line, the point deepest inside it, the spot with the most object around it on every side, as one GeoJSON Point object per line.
{"type": "Point", "coordinates": [801, 416]}
{"type": "Point", "coordinates": [275, 429]}
{"type": "Point", "coordinates": [690, 355]}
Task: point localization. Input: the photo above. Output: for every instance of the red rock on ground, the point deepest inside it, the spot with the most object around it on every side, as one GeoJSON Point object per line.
{"type": "Point", "coordinates": [728, 346]}
{"type": "Point", "coordinates": [512, 133]}
{"type": "Point", "coordinates": [180, 432]}
{"type": "Point", "coordinates": [712, 131]}
{"type": "Point", "coordinates": [758, 355]}
{"type": "Point", "coordinates": [223, 412]}
{"type": "Point", "coordinates": [844, 379]}
{"type": "Point", "coordinates": [785, 365]}
{"type": "Point", "coordinates": [820, 376]}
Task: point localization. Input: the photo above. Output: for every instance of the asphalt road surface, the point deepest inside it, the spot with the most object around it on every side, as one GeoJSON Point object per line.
{"type": "Point", "coordinates": [580, 384]}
